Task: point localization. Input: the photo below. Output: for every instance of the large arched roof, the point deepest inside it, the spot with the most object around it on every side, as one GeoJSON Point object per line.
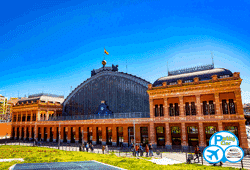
{"type": "Point", "coordinates": [203, 75]}
{"type": "Point", "coordinates": [103, 73]}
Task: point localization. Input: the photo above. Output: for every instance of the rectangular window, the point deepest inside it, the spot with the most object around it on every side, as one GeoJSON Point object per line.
{"type": "Point", "coordinates": [171, 109]}
{"type": "Point", "coordinates": [193, 109]}
{"type": "Point", "coordinates": [187, 108]}
{"type": "Point", "coordinates": [211, 107]}
{"type": "Point", "coordinates": [161, 110]}
{"type": "Point", "coordinates": [224, 107]}
{"type": "Point", "coordinates": [156, 111]}
{"type": "Point", "coordinates": [231, 106]}
{"type": "Point", "coordinates": [205, 108]}
{"type": "Point", "coordinates": [176, 109]}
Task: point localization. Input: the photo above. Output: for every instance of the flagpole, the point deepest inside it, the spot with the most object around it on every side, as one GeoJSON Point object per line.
{"type": "Point", "coordinates": [104, 53]}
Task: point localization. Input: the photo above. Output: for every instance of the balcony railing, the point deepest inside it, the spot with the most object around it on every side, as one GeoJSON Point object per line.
{"type": "Point", "coordinates": [96, 116]}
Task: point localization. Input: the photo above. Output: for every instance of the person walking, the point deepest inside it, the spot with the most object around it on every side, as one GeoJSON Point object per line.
{"type": "Point", "coordinates": [150, 149]}
{"type": "Point", "coordinates": [197, 152]}
{"type": "Point", "coordinates": [91, 147]}
{"type": "Point", "coordinates": [87, 147]}
{"type": "Point", "coordinates": [137, 150]}
{"type": "Point", "coordinates": [146, 149]}
{"type": "Point", "coordinates": [107, 149]}
{"type": "Point", "coordinates": [103, 149]}
{"type": "Point", "coordinates": [141, 150]}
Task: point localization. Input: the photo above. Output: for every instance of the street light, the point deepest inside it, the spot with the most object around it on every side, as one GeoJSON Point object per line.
{"type": "Point", "coordinates": [59, 135]}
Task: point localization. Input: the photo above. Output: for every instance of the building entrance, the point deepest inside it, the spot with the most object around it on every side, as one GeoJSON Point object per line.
{"type": "Point", "coordinates": [109, 136]}
{"type": "Point", "coordinates": [72, 135]}
{"type": "Point", "coordinates": [90, 134]}
{"type": "Point", "coordinates": [176, 135]}
{"type": "Point", "coordinates": [193, 136]}
{"type": "Point", "coordinates": [98, 135]}
{"type": "Point", "coordinates": [17, 136]}
{"type": "Point", "coordinates": [119, 136]}
{"type": "Point", "coordinates": [39, 134]}
{"type": "Point", "coordinates": [233, 129]}
{"type": "Point", "coordinates": [45, 134]}
{"type": "Point", "coordinates": [160, 136]}
{"type": "Point", "coordinates": [22, 135]}
{"type": "Point", "coordinates": [51, 135]}
{"type": "Point", "coordinates": [80, 134]}
{"type": "Point", "coordinates": [13, 133]}
{"type": "Point", "coordinates": [144, 135]}
{"type": "Point", "coordinates": [32, 134]}
{"type": "Point", "coordinates": [64, 134]}
{"type": "Point", "coordinates": [209, 131]}
{"type": "Point", "coordinates": [27, 133]}
{"type": "Point", "coordinates": [130, 135]}
{"type": "Point", "coordinates": [57, 134]}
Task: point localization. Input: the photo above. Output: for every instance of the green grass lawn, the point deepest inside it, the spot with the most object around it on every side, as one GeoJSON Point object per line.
{"type": "Point", "coordinates": [39, 155]}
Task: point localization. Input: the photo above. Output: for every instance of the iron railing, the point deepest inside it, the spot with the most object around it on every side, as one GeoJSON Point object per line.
{"type": "Point", "coordinates": [96, 116]}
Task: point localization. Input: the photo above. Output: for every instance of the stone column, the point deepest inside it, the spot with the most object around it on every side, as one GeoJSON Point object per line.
{"type": "Point", "coordinates": [138, 133]}
{"type": "Point", "coordinates": [77, 135]}
{"type": "Point", "coordinates": [151, 107]}
{"type": "Point", "coordinates": [25, 132]}
{"type": "Point", "coordinates": [184, 136]}
{"type": "Point", "coordinates": [15, 137]}
{"type": "Point", "coordinates": [152, 134]}
{"type": "Point", "coordinates": [85, 133]}
{"type": "Point", "coordinates": [42, 131]}
{"type": "Point", "coordinates": [182, 114]}
{"type": "Point", "coordinates": [201, 135]}
{"type": "Point", "coordinates": [125, 135]}
{"type": "Point", "coordinates": [220, 127]}
{"type": "Point", "coordinates": [31, 116]}
{"type": "Point", "coordinates": [217, 104]}
{"type": "Point", "coordinates": [26, 116]}
{"type": "Point", "coordinates": [21, 116]}
{"type": "Point", "coordinates": [20, 132]}
{"type": "Point", "coordinates": [168, 142]}
{"type": "Point", "coordinates": [165, 108]}
{"type": "Point", "coordinates": [61, 130]}
{"type": "Point", "coordinates": [30, 136]}
{"type": "Point", "coordinates": [48, 134]}
{"type": "Point", "coordinates": [242, 135]}
{"type": "Point", "coordinates": [38, 115]}
{"type": "Point", "coordinates": [198, 105]}
{"type": "Point", "coordinates": [69, 134]}
{"type": "Point", "coordinates": [114, 136]}
{"type": "Point", "coordinates": [54, 133]}
{"type": "Point", "coordinates": [94, 135]}
{"type": "Point", "coordinates": [239, 107]}
{"type": "Point", "coordinates": [104, 135]}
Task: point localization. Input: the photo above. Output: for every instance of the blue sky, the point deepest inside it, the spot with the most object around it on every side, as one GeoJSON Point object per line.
{"type": "Point", "coordinates": [49, 46]}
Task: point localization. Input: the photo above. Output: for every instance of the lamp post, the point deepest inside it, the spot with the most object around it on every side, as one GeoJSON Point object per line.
{"type": "Point", "coordinates": [59, 135]}
{"type": "Point", "coordinates": [82, 136]}
{"type": "Point", "coordinates": [134, 130]}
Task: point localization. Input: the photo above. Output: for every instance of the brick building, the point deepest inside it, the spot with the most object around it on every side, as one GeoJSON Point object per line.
{"type": "Point", "coordinates": [185, 109]}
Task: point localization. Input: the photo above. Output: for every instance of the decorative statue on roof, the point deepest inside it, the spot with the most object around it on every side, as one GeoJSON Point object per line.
{"type": "Point", "coordinates": [103, 109]}
{"type": "Point", "coordinates": [114, 68]}
{"type": "Point", "coordinates": [93, 72]}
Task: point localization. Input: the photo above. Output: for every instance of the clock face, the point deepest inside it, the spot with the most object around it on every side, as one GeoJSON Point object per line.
{"type": "Point", "coordinates": [102, 108]}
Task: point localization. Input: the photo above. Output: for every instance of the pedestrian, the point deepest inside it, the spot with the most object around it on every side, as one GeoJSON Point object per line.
{"type": "Point", "coordinates": [150, 149]}
{"type": "Point", "coordinates": [83, 146]}
{"type": "Point", "coordinates": [146, 149]}
{"type": "Point", "coordinates": [107, 149]}
{"type": "Point", "coordinates": [197, 151]}
{"type": "Point", "coordinates": [137, 150]}
{"type": "Point", "coordinates": [87, 147]}
{"type": "Point", "coordinates": [141, 150]}
{"type": "Point", "coordinates": [103, 149]}
{"type": "Point", "coordinates": [92, 147]}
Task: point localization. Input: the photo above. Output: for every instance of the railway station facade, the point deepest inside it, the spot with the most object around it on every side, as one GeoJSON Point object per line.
{"type": "Point", "coordinates": [182, 109]}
